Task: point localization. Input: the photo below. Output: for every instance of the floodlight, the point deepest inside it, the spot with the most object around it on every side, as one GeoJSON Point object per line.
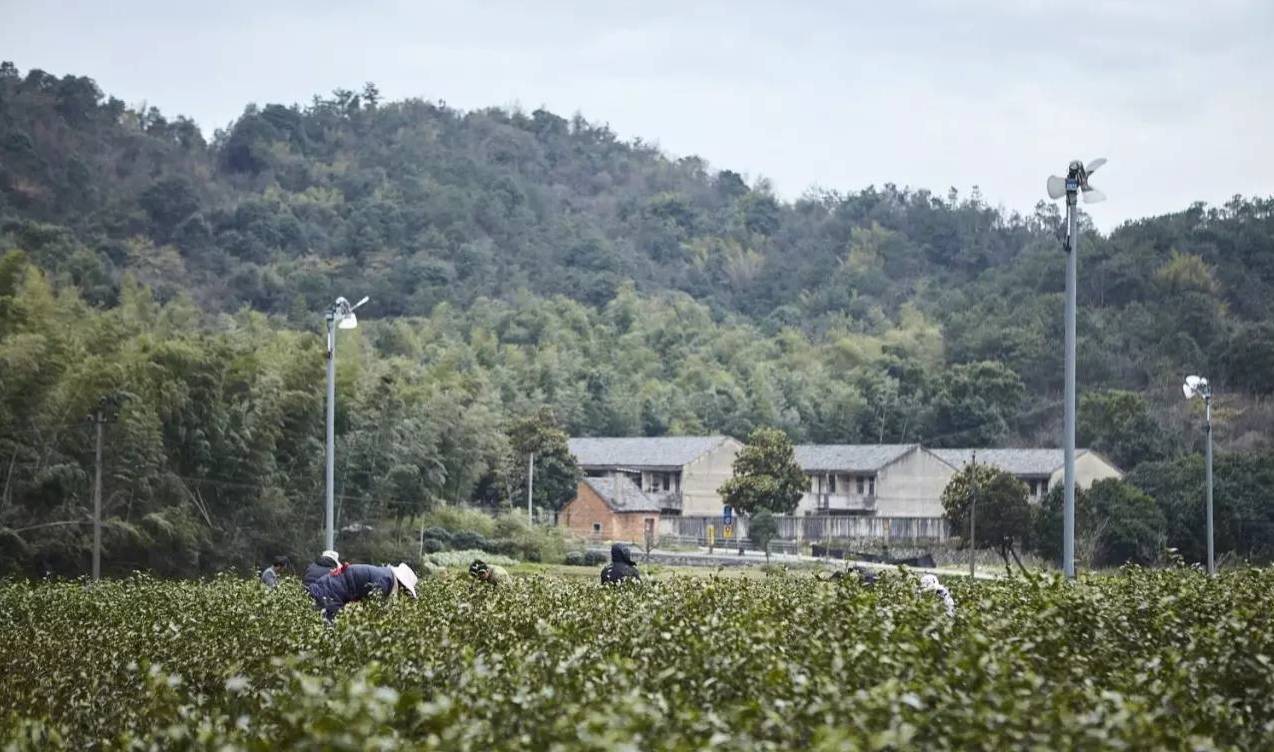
{"type": "Point", "coordinates": [1076, 180]}
{"type": "Point", "coordinates": [360, 303]}
{"type": "Point", "coordinates": [348, 321]}
{"type": "Point", "coordinates": [1056, 187]}
{"type": "Point", "coordinates": [1196, 386]}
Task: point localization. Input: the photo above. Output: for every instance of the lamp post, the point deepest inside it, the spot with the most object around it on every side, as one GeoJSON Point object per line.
{"type": "Point", "coordinates": [1197, 386]}
{"type": "Point", "coordinates": [1075, 182]}
{"type": "Point", "coordinates": [530, 485]}
{"type": "Point", "coordinates": [340, 315]}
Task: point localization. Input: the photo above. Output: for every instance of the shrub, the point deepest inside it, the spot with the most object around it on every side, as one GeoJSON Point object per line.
{"type": "Point", "coordinates": [593, 558]}
{"type": "Point", "coordinates": [462, 558]}
{"type": "Point", "coordinates": [434, 545]}
{"type": "Point", "coordinates": [470, 539]}
{"type": "Point", "coordinates": [227, 664]}
{"type": "Point", "coordinates": [456, 519]}
{"type": "Point", "coordinates": [575, 558]}
{"type": "Point", "coordinates": [438, 533]}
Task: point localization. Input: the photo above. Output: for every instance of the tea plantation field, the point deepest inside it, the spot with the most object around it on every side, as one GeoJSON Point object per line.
{"type": "Point", "coordinates": [1138, 660]}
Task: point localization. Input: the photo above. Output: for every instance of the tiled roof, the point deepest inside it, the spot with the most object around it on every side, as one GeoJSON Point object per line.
{"type": "Point", "coordinates": [664, 452]}
{"type": "Point", "coordinates": [851, 457]}
{"type": "Point", "coordinates": [1014, 461]}
{"type": "Point", "coordinates": [629, 499]}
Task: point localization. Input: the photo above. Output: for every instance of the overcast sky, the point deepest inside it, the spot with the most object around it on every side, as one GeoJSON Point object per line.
{"type": "Point", "coordinates": [841, 95]}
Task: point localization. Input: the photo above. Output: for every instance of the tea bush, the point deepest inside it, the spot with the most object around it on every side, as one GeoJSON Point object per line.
{"type": "Point", "coordinates": [1140, 660]}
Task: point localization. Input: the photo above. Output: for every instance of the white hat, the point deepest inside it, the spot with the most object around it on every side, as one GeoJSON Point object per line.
{"type": "Point", "coordinates": [330, 554]}
{"type": "Point", "coordinates": [929, 582]}
{"type": "Point", "coordinates": [405, 577]}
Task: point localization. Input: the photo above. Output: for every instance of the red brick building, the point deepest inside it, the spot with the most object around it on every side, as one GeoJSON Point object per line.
{"type": "Point", "coordinates": [610, 508]}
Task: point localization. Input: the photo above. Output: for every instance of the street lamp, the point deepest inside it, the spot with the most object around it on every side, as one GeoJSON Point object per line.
{"type": "Point", "coordinates": [1197, 386]}
{"type": "Point", "coordinates": [1075, 182]}
{"type": "Point", "coordinates": [340, 315]}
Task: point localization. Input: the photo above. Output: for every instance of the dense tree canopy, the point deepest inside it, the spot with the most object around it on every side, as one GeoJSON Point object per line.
{"type": "Point", "coordinates": [524, 261]}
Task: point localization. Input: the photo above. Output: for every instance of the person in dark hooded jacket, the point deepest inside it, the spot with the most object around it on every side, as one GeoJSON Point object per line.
{"type": "Point", "coordinates": [350, 583]}
{"type": "Point", "coordinates": [621, 567]}
{"type": "Point", "coordinates": [320, 567]}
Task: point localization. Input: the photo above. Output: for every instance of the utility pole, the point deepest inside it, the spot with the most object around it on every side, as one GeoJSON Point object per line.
{"type": "Point", "coordinates": [1207, 407]}
{"type": "Point", "coordinates": [1197, 386]}
{"type": "Point", "coordinates": [1068, 443]}
{"type": "Point", "coordinates": [340, 315]}
{"type": "Point", "coordinates": [973, 515]}
{"type": "Point", "coordinates": [530, 485]}
{"type": "Point", "coordinates": [329, 508]}
{"type": "Point", "coordinates": [1076, 180]}
{"type": "Point", "coordinates": [99, 419]}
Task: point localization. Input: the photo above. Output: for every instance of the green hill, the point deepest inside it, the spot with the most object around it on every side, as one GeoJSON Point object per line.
{"type": "Point", "coordinates": [521, 261]}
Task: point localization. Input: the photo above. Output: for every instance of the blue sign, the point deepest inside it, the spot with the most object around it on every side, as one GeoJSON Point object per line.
{"type": "Point", "coordinates": [727, 514]}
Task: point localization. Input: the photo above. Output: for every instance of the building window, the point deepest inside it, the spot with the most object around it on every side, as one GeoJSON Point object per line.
{"type": "Point", "coordinates": [831, 483]}
{"type": "Point", "coordinates": [861, 482]}
{"type": "Point", "coordinates": [667, 481]}
{"type": "Point", "coordinates": [871, 486]}
{"type": "Point", "coordinates": [597, 527]}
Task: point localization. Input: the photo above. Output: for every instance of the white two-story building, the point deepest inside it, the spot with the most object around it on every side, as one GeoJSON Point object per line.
{"type": "Point", "coordinates": [883, 480]}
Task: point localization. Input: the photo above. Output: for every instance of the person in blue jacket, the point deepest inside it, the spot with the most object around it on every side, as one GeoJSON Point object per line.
{"type": "Point", "coordinates": [326, 562]}
{"type": "Point", "coordinates": [350, 583]}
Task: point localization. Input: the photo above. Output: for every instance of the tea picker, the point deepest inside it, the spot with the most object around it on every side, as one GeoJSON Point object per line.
{"type": "Point", "coordinates": [351, 583]}
{"type": "Point", "coordinates": [621, 568]}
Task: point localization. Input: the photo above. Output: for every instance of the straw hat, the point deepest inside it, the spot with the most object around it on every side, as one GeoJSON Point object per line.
{"type": "Point", "coordinates": [405, 577]}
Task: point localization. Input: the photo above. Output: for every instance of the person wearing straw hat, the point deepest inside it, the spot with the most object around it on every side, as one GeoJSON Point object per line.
{"type": "Point", "coordinates": [351, 583]}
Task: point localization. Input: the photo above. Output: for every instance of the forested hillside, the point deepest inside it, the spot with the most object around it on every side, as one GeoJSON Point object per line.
{"type": "Point", "coordinates": [519, 261]}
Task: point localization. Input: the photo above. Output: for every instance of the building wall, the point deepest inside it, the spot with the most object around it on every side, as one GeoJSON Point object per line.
{"type": "Point", "coordinates": [631, 526]}
{"type": "Point", "coordinates": [912, 486]}
{"type": "Point", "coordinates": [846, 495]}
{"type": "Point", "coordinates": [701, 478]}
{"type": "Point", "coordinates": [588, 509]}
{"type": "Point", "coordinates": [1090, 467]}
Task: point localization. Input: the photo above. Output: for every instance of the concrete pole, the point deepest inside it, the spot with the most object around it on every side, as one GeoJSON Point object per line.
{"type": "Point", "coordinates": [98, 420]}
{"type": "Point", "coordinates": [1068, 444]}
{"type": "Point", "coordinates": [530, 485]}
{"type": "Point", "coordinates": [1207, 406]}
{"type": "Point", "coordinates": [329, 510]}
{"type": "Point", "coordinates": [973, 516]}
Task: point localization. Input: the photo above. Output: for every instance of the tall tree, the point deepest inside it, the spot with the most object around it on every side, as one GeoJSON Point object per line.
{"type": "Point", "coordinates": [766, 476]}
{"type": "Point", "coordinates": [556, 472]}
{"type": "Point", "coordinates": [997, 502]}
